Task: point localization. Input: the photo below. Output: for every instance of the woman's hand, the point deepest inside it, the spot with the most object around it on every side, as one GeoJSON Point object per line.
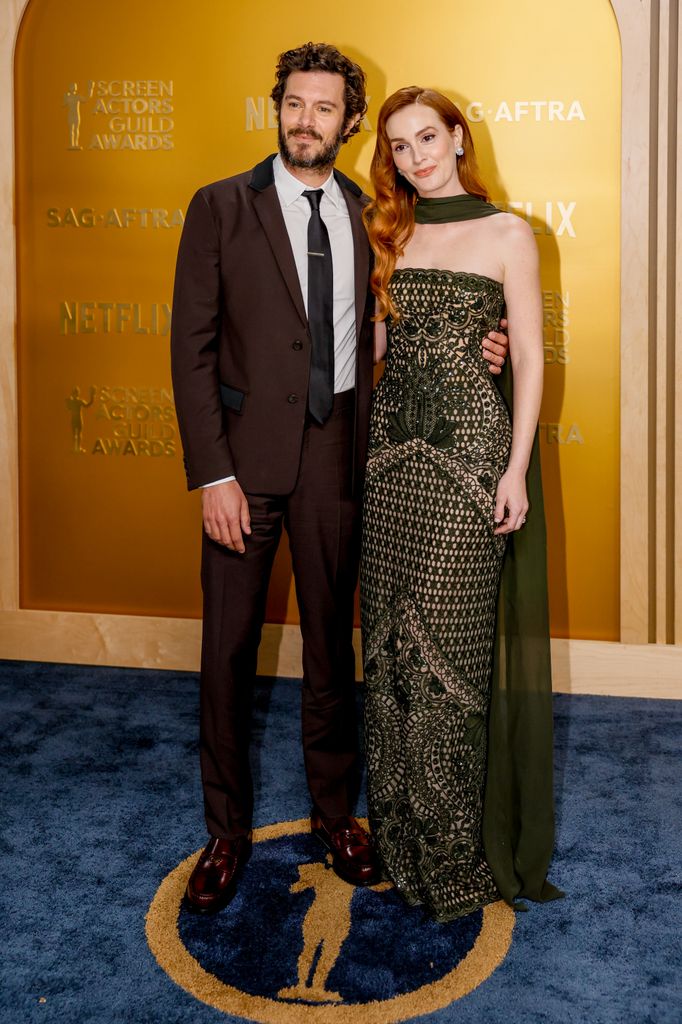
{"type": "Point", "coordinates": [511, 502]}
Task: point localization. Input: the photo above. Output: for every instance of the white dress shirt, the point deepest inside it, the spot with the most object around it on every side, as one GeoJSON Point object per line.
{"type": "Point", "coordinates": [334, 213]}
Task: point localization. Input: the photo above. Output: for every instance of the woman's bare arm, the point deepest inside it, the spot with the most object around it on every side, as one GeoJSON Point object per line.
{"type": "Point", "coordinates": [524, 310]}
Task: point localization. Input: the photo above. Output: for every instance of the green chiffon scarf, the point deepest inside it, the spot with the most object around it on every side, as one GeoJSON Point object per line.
{"type": "Point", "coordinates": [449, 208]}
{"type": "Point", "coordinates": [518, 808]}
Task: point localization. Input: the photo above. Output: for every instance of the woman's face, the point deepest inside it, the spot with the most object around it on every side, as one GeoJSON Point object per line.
{"type": "Point", "coordinates": [424, 150]}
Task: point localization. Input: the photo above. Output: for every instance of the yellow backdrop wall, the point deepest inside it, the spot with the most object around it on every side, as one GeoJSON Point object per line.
{"type": "Point", "coordinates": [122, 112]}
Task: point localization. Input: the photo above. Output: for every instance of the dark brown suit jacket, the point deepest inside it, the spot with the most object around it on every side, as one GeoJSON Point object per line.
{"type": "Point", "coordinates": [240, 342]}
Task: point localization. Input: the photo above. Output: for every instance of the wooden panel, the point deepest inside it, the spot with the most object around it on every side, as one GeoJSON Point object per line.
{"type": "Point", "coordinates": [617, 670]}
{"type": "Point", "coordinates": [677, 465]}
{"type": "Point", "coordinates": [85, 639]}
{"type": "Point", "coordinates": [579, 666]}
{"type": "Point", "coordinates": [660, 341]}
{"type": "Point", "coordinates": [10, 15]}
{"type": "Point", "coordinates": [634, 24]}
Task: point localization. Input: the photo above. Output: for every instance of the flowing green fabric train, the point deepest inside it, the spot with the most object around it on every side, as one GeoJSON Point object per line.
{"type": "Point", "coordinates": [518, 808]}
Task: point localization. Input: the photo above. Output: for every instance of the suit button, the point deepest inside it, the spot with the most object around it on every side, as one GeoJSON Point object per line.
{"type": "Point", "coordinates": [292, 399]}
{"type": "Point", "coordinates": [297, 345]}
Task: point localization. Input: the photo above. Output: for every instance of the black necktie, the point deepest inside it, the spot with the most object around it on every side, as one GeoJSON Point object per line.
{"type": "Point", "coordinates": [320, 312]}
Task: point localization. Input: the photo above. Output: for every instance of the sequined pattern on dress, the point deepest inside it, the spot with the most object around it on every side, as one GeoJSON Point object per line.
{"type": "Point", "coordinates": [439, 441]}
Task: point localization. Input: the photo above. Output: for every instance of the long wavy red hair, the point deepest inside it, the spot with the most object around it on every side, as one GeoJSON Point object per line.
{"type": "Point", "coordinates": [389, 218]}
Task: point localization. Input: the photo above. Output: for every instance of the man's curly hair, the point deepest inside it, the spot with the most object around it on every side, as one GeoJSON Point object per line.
{"type": "Point", "coordinates": [322, 57]}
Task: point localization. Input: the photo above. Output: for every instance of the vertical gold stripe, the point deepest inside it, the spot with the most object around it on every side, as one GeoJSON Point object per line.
{"type": "Point", "coordinates": [676, 467]}
{"type": "Point", "coordinates": [10, 15]}
{"type": "Point", "coordinates": [659, 285]}
{"type": "Point", "coordinates": [670, 382]}
{"type": "Point", "coordinates": [665, 337]}
{"type": "Point", "coordinates": [635, 31]}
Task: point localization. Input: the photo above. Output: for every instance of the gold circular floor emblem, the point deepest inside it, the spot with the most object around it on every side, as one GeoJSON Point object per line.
{"type": "Point", "coordinates": [325, 928]}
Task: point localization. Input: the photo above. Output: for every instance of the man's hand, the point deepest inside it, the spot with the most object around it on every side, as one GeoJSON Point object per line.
{"type": "Point", "coordinates": [496, 348]}
{"type": "Point", "coordinates": [226, 515]}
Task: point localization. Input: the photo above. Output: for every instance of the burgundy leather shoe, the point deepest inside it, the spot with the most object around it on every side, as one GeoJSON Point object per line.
{"type": "Point", "coordinates": [353, 856]}
{"type": "Point", "coordinates": [213, 881]}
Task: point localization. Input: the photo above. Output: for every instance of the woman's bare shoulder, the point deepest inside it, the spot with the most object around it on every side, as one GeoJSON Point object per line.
{"type": "Point", "coordinates": [511, 226]}
{"type": "Point", "coordinates": [516, 244]}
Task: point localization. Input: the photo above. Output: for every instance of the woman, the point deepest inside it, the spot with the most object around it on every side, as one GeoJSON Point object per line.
{"type": "Point", "coordinates": [446, 488]}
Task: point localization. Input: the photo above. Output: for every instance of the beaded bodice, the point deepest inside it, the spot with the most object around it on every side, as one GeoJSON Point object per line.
{"type": "Point", "coordinates": [436, 385]}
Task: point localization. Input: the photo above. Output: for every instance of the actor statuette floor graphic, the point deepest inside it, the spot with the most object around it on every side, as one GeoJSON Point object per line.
{"type": "Point", "coordinates": [299, 945]}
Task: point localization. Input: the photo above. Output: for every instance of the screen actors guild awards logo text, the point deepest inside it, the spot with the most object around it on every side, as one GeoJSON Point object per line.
{"type": "Point", "coordinates": [127, 421]}
{"type": "Point", "coordinates": [129, 114]}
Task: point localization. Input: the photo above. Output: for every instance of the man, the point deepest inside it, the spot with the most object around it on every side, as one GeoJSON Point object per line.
{"type": "Point", "coordinates": [272, 374]}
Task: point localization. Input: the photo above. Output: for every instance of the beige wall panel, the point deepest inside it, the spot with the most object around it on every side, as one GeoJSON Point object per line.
{"type": "Point", "coordinates": [677, 465]}
{"type": "Point", "coordinates": [634, 25]}
{"type": "Point", "coordinates": [579, 666]}
{"type": "Point", "coordinates": [10, 15]}
{"type": "Point", "coordinates": [617, 670]}
{"type": "Point", "coordinates": [87, 639]}
{"type": "Point", "coordinates": [663, 410]}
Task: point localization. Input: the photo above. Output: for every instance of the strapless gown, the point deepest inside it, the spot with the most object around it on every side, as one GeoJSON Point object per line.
{"type": "Point", "coordinates": [440, 437]}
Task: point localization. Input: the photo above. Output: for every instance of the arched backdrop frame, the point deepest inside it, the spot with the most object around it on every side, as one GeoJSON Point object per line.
{"type": "Point", "coordinates": [648, 659]}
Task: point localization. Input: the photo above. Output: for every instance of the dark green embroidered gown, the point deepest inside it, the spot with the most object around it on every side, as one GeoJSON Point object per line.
{"type": "Point", "coordinates": [439, 441]}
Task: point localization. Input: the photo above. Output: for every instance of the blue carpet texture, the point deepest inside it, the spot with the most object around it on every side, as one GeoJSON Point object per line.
{"type": "Point", "coordinates": [102, 801]}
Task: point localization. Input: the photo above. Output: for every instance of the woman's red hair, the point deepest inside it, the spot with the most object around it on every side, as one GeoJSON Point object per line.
{"type": "Point", "coordinates": [389, 218]}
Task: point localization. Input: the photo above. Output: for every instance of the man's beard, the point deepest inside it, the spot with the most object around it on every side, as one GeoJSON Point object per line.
{"type": "Point", "coordinates": [326, 157]}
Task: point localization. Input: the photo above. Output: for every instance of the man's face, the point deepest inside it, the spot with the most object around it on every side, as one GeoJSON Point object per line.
{"type": "Point", "coordinates": [311, 119]}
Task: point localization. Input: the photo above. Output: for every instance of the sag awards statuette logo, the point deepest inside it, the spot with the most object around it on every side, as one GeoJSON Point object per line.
{"type": "Point", "coordinates": [124, 421]}
{"type": "Point", "coordinates": [127, 114]}
{"type": "Point", "coordinates": [299, 946]}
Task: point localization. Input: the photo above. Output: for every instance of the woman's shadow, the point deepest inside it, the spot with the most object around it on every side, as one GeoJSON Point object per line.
{"type": "Point", "coordinates": [556, 314]}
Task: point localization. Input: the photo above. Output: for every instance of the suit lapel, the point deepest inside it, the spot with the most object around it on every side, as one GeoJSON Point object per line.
{"type": "Point", "coordinates": [361, 254]}
{"type": "Point", "coordinates": [269, 212]}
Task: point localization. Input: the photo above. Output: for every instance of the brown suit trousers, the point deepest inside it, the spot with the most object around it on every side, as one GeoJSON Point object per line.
{"type": "Point", "coordinates": [322, 520]}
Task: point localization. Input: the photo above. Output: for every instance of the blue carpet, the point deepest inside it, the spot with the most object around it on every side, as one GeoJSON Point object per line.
{"type": "Point", "coordinates": [102, 801]}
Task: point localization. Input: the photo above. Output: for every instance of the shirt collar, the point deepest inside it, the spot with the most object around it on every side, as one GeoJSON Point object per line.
{"type": "Point", "coordinates": [289, 188]}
